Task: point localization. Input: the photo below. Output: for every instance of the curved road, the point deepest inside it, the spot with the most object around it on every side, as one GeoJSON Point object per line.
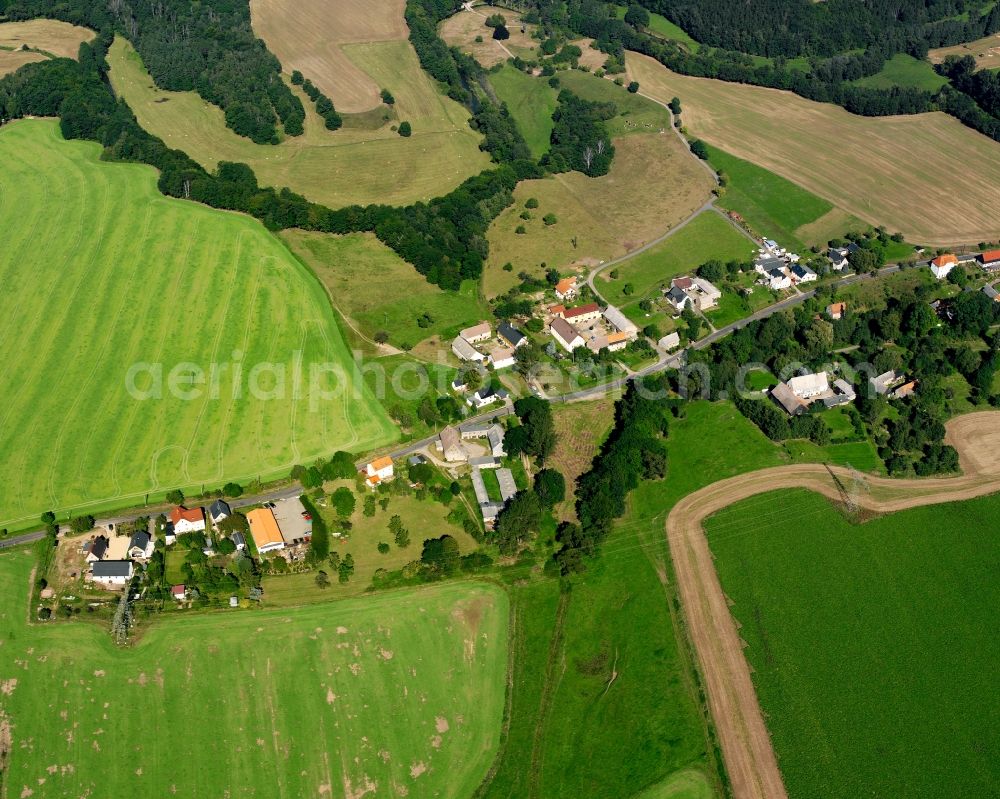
{"type": "Point", "coordinates": [746, 745]}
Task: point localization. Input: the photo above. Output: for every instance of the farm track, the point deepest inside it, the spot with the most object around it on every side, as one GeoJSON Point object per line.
{"type": "Point", "coordinates": [746, 745]}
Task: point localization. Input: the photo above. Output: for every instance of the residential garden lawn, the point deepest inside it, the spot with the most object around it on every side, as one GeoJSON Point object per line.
{"type": "Point", "coordinates": [867, 294]}
{"type": "Point", "coordinates": [424, 518]}
{"type": "Point", "coordinates": [896, 251]}
{"type": "Point", "coordinates": [706, 237]}
{"type": "Point", "coordinates": [351, 165]}
{"type": "Point", "coordinates": [663, 27]}
{"type": "Point", "coordinates": [760, 380]}
{"type": "Point", "coordinates": [731, 308]}
{"type": "Point", "coordinates": [839, 422]}
{"type": "Point", "coordinates": [375, 289]}
{"type": "Point", "coordinates": [404, 690]}
{"type": "Point", "coordinates": [143, 279]}
{"type": "Point", "coordinates": [905, 71]}
{"type": "Point", "coordinates": [531, 102]}
{"type": "Point", "coordinates": [862, 165]}
{"type": "Point", "coordinates": [46, 38]}
{"type": "Point", "coordinates": [636, 114]}
{"type": "Point", "coordinates": [174, 561]}
{"type": "Point", "coordinates": [872, 646]}
{"type": "Point", "coordinates": [773, 207]}
{"type": "Point", "coordinates": [315, 38]}
{"type": "Point", "coordinates": [597, 218]}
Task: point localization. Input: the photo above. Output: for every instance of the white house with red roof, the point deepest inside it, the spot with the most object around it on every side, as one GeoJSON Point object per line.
{"type": "Point", "coordinates": [187, 520]}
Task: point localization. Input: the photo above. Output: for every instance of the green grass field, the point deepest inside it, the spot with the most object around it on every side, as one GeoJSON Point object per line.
{"type": "Point", "coordinates": [706, 237]}
{"type": "Point", "coordinates": [636, 114]}
{"type": "Point", "coordinates": [873, 646]}
{"type": "Point", "coordinates": [531, 102]}
{"type": "Point", "coordinates": [774, 207]}
{"type": "Point", "coordinates": [391, 695]}
{"type": "Point", "coordinates": [112, 274]}
{"type": "Point", "coordinates": [351, 165]}
{"type": "Point", "coordinates": [377, 290]}
{"type": "Point", "coordinates": [905, 71]}
{"type": "Point", "coordinates": [663, 27]}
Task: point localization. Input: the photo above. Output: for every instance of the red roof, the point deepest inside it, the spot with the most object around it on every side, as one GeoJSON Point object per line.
{"type": "Point", "coordinates": [565, 284]}
{"type": "Point", "coordinates": [944, 260]}
{"type": "Point", "coordinates": [681, 282]}
{"type": "Point", "coordinates": [177, 590]}
{"type": "Point", "coordinates": [583, 310]}
{"type": "Point", "coordinates": [990, 256]}
{"type": "Point", "coordinates": [192, 515]}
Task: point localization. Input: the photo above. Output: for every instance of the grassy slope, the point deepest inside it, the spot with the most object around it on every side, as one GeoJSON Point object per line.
{"type": "Point", "coordinates": [664, 28]}
{"type": "Point", "coordinates": [378, 290]}
{"type": "Point", "coordinates": [636, 114]}
{"type": "Point", "coordinates": [870, 644]}
{"type": "Point", "coordinates": [531, 102]}
{"type": "Point", "coordinates": [870, 167]}
{"type": "Point", "coordinates": [906, 71]}
{"type": "Point", "coordinates": [127, 276]}
{"type": "Point", "coordinates": [706, 237]}
{"type": "Point", "coordinates": [772, 206]}
{"type": "Point", "coordinates": [297, 704]}
{"type": "Point", "coordinates": [337, 169]}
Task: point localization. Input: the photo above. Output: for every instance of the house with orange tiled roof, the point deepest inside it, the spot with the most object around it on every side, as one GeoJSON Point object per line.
{"type": "Point", "coordinates": [990, 260]}
{"type": "Point", "coordinates": [265, 531]}
{"type": "Point", "coordinates": [836, 310]}
{"type": "Point", "coordinates": [187, 520]}
{"type": "Point", "coordinates": [566, 288]}
{"type": "Point", "coordinates": [942, 265]}
{"type": "Point", "coordinates": [379, 471]}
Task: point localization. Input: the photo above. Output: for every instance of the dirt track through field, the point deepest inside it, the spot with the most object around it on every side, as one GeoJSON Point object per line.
{"type": "Point", "coordinates": [746, 746]}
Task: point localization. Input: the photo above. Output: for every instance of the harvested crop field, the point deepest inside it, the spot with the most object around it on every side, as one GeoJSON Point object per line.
{"type": "Point", "coordinates": [347, 166]}
{"type": "Point", "coordinates": [986, 52]}
{"type": "Point", "coordinates": [654, 183]}
{"type": "Point", "coordinates": [47, 38]}
{"type": "Point", "coordinates": [309, 35]}
{"type": "Point", "coordinates": [396, 695]}
{"type": "Point", "coordinates": [926, 176]}
{"type": "Point", "coordinates": [114, 297]}
{"type": "Point", "coordinates": [461, 30]}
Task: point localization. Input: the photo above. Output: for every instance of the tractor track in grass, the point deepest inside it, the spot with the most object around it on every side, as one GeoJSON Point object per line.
{"type": "Point", "coordinates": [751, 762]}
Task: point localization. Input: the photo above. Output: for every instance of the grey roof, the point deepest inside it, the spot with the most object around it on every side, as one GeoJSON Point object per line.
{"type": "Point", "coordinates": [238, 539]}
{"type": "Point", "coordinates": [99, 547]}
{"type": "Point", "coordinates": [802, 271]}
{"type": "Point", "coordinates": [991, 292]}
{"type": "Point", "coordinates": [785, 397]}
{"type": "Point", "coordinates": [416, 460]}
{"type": "Point", "coordinates": [776, 273]}
{"type": "Point", "coordinates": [619, 321]}
{"type": "Point", "coordinates": [852, 248]}
{"type": "Point", "coordinates": [507, 485]}
{"type": "Point", "coordinates": [495, 436]}
{"type": "Point", "coordinates": [676, 296]}
{"type": "Point", "coordinates": [510, 333]}
{"type": "Point", "coordinates": [219, 508]}
{"type": "Point", "coordinates": [484, 462]}
{"type": "Point", "coordinates": [769, 263]}
{"type": "Point", "coordinates": [477, 428]}
{"type": "Point", "coordinates": [479, 486]}
{"type": "Point", "coordinates": [139, 539]}
{"type": "Point", "coordinates": [564, 330]}
{"type": "Point", "coordinates": [112, 568]}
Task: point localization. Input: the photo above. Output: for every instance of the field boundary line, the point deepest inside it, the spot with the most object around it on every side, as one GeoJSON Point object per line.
{"type": "Point", "coordinates": [750, 760]}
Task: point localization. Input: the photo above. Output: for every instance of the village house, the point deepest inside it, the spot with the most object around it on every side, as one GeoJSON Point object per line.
{"type": "Point", "coordinates": [765, 265]}
{"type": "Point", "coordinates": [990, 260]}
{"type": "Point", "coordinates": [613, 342]}
{"type": "Point", "coordinates": [265, 531]}
{"type": "Point", "coordinates": [378, 471]}
{"type": "Point", "coordinates": [838, 258]}
{"type": "Point", "coordinates": [809, 386]}
{"type": "Point", "coordinates": [477, 333]}
{"type": "Point", "coordinates": [942, 265]}
{"type": "Point", "coordinates": [669, 342]}
{"type": "Point", "coordinates": [843, 394]}
{"type": "Point", "coordinates": [582, 313]}
{"type": "Point", "coordinates": [464, 351]}
{"type": "Point", "coordinates": [884, 382]}
{"type": "Point", "coordinates": [487, 396]}
{"type": "Point", "coordinates": [502, 357]}
{"type": "Point", "coordinates": [676, 297]}
{"type": "Point", "coordinates": [112, 573]}
{"type": "Point", "coordinates": [491, 431]}
{"type": "Point", "coordinates": [187, 520]}
{"type": "Point", "coordinates": [238, 541]}
{"type": "Point", "coordinates": [803, 274]}
{"type": "Point", "coordinates": [509, 334]}
{"type": "Point", "coordinates": [620, 322]}
{"type": "Point", "coordinates": [567, 336]}
{"type": "Point", "coordinates": [140, 547]}
{"type": "Point", "coordinates": [703, 294]}
{"type": "Point", "coordinates": [991, 293]}
{"type": "Point", "coordinates": [451, 446]}
{"type": "Point", "coordinates": [777, 279]}
{"type": "Point", "coordinates": [836, 310]}
{"type": "Point", "coordinates": [218, 511]}
{"type": "Point", "coordinates": [566, 288]}
{"type": "Point", "coordinates": [178, 592]}
{"type": "Point", "coordinates": [557, 310]}
{"type": "Point", "coordinates": [792, 404]}
{"type": "Point", "coordinates": [903, 391]}
{"type": "Point", "coordinates": [96, 548]}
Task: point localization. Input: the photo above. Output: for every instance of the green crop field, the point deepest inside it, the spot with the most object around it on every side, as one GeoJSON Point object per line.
{"type": "Point", "coordinates": [706, 237]}
{"type": "Point", "coordinates": [400, 694]}
{"type": "Point", "coordinates": [906, 71]}
{"type": "Point", "coordinates": [113, 274]}
{"type": "Point", "coordinates": [351, 165]}
{"type": "Point", "coordinates": [873, 646]}
{"type": "Point", "coordinates": [531, 102]}
{"type": "Point", "coordinates": [377, 290]}
{"type": "Point", "coordinates": [776, 208]}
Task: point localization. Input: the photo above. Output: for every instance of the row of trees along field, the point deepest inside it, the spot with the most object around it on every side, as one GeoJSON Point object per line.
{"type": "Point", "coordinates": [444, 239]}
{"type": "Point", "coordinates": [806, 30]}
